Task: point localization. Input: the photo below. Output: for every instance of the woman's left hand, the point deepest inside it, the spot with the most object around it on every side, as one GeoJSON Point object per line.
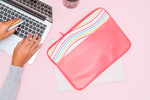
{"type": "Point", "coordinates": [4, 27]}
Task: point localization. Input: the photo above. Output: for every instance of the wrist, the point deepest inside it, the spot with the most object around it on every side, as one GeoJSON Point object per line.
{"type": "Point", "coordinates": [17, 64]}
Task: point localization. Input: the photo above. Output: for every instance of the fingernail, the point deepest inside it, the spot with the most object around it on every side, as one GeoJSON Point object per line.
{"type": "Point", "coordinates": [41, 44]}
{"type": "Point", "coordinates": [36, 34]}
{"type": "Point", "coordinates": [30, 34]}
{"type": "Point", "coordinates": [22, 39]}
{"type": "Point", "coordinates": [17, 28]}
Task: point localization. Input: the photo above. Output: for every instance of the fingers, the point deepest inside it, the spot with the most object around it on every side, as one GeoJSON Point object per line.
{"type": "Point", "coordinates": [19, 44]}
{"type": "Point", "coordinates": [37, 49]}
{"type": "Point", "coordinates": [11, 31]}
{"type": "Point", "coordinates": [36, 44]}
{"type": "Point", "coordinates": [32, 46]}
{"type": "Point", "coordinates": [26, 42]}
{"type": "Point", "coordinates": [33, 40]}
{"type": "Point", "coordinates": [10, 22]}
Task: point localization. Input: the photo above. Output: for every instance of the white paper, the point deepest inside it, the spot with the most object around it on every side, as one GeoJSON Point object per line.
{"type": "Point", "coordinates": [112, 74]}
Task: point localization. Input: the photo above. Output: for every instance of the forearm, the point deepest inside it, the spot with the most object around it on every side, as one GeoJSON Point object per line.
{"type": "Point", "coordinates": [11, 84]}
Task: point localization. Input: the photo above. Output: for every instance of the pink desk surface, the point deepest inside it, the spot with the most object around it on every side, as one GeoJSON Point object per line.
{"type": "Point", "coordinates": [133, 16]}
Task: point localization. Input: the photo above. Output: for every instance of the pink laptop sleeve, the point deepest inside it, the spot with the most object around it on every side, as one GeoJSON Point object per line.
{"type": "Point", "coordinates": [89, 48]}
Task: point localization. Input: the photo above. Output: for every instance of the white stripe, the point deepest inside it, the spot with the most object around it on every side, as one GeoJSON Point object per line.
{"type": "Point", "coordinates": [64, 39]}
{"type": "Point", "coordinates": [74, 45]}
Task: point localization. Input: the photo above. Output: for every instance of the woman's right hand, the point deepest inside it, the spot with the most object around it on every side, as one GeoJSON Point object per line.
{"type": "Point", "coordinates": [4, 27]}
{"type": "Point", "coordinates": [25, 50]}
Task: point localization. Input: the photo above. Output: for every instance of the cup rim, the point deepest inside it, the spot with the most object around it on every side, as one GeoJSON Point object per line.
{"type": "Point", "coordinates": [72, 1]}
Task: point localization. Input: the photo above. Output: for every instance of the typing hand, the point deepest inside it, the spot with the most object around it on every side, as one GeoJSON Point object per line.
{"type": "Point", "coordinates": [4, 27]}
{"type": "Point", "coordinates": [25, 50]}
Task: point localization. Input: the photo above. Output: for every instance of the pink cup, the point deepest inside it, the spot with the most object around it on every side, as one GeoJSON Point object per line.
{"type": "Point", "coordinates": [71, 3]}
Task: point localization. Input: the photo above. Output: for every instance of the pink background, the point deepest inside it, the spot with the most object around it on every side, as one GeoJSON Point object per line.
{"type": "Point", "coordinates": [133, 16]}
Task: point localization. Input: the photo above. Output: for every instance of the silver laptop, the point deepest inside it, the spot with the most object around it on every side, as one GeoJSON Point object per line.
{"type": "Point", "coordinates": [37, 16]}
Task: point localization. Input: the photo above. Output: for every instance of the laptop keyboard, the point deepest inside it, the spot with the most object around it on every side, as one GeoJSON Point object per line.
{"type": "Point", "coordinates": [38, 6]}
{"type": "Point", "coordinates": [29, 26]}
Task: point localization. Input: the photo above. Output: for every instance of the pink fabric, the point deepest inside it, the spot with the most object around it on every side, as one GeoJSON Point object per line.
{"type": "Point", "coordinates": [88, 60]}
{"type": "Point", "coordinates": [73, 43]}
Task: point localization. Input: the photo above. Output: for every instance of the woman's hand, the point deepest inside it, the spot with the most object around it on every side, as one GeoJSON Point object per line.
{"type": "Point", "coordinates": [25, 50]}
{"type": "Point", "coordinates": [4, 27]}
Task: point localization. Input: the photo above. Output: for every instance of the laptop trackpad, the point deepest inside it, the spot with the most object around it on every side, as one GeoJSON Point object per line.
{"type": "Point", "coordinates": [10, 43]}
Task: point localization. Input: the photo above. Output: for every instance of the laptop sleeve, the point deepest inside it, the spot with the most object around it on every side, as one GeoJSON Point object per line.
{"type": "Point", "coordinates": [89, 48]}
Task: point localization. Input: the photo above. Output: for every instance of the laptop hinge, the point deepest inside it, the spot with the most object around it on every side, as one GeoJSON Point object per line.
{"type": "Point", "coordinates": [26, 9]}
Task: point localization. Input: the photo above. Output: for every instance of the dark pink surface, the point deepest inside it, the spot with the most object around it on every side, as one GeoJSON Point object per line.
{"type": "Point", "coordinates": [38, 80]}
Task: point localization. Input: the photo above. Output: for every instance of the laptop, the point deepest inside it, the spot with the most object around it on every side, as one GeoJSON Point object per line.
{"type": "Point", "coordinates": [37, 16]}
